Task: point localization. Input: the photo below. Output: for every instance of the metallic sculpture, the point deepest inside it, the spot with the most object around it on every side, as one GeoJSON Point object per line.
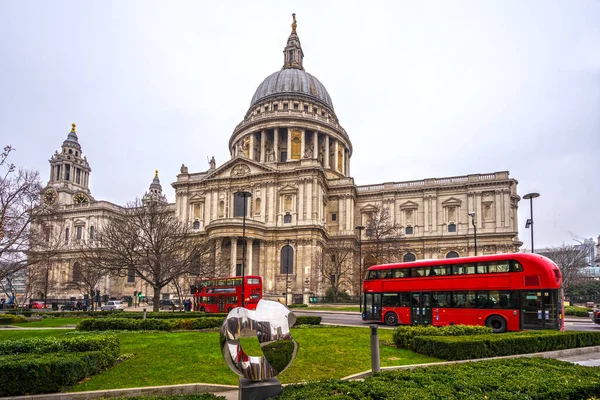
{"type": "Point", "coordinates": [270, 323]}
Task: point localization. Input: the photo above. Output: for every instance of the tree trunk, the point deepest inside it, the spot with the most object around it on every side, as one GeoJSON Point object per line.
{"type": "Point", "coordinates": [156, 300]}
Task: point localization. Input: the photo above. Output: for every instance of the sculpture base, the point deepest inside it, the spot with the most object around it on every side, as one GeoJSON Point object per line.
{"type": "Point", "coordinates": [261, 390]}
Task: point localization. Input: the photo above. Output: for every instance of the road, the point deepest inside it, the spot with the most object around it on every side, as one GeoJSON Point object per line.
{"type": "Point", "coordinates": [354, 319]}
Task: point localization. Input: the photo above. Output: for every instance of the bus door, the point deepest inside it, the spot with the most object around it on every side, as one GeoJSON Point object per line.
{"type": "Point", "coordinates": [539, 309]}
{"type": "Point", "coordinates": [221, 304]}
{"type": "Point", "coordinates": [372, 306]}
{"type": "Point", "coordinates": [420, 308]}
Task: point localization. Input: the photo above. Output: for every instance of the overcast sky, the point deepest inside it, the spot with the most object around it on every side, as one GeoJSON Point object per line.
{"type": "Point", "coordinates": [424, 89]}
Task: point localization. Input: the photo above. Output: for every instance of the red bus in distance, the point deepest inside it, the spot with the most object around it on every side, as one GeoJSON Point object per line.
{"type": "Point", "coordinates": [220, 295]}
{"type": "Point", "coordinates": [505, 292]}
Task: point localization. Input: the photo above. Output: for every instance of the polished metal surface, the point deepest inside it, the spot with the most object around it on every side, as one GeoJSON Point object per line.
{"type": "Point", "coordinates": [270, 324]}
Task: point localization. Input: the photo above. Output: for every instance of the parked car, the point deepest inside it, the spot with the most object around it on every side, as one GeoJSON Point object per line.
{"type": "Point", "coordinates": [113, 305]}
{"type": "Point", "coordinates": [167, 305]}
{"type": "Point", "coordinates": [69, 306]}
{"type": "Point", "coordinates": [37, 304]}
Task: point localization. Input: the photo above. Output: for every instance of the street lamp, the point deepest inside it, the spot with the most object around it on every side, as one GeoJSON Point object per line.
{"type": "Point", "coordinates": [529, 223]}
{"type": "Point", "coordinates": [472, 214]}
{"type": "Point", "coordinates": [360, 229]}
{"type": "Point", "coordinates": [245, 196]}
{"type": "Point", "coordinates": [287, 270]}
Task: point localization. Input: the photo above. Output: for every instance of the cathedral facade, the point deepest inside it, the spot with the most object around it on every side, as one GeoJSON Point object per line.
{"type": "Point", "coordinates": [292, 159]}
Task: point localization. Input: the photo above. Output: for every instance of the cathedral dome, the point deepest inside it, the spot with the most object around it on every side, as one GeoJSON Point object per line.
{"type": "Point", "coordinates": [292, 81]}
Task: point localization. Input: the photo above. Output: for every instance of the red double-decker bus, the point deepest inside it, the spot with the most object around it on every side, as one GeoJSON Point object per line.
{"type": "Point", "coordinates": [505, 292]}
{"type": "Point", "coordinates": [221, 295]}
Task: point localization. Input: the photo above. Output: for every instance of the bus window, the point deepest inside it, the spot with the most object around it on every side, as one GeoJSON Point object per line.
{"type": "Point", "coordinates": [419, 271]}
{"type": "Point", "coordinates": [442, 270]}
{"type": "Point", "coordinates": [371, 275]}
{"type": "Point", "coordinates": [481, 268]}
{"type": "Point", "coordinates": [390, 300]}
{"type": "Point", "coordinates": [253, 281]}
{"type": "Point", "coordinates": [458, 270]}
{"type": "Point", "coordinates": [464, 299]}
{"type": "Point", "coordinates": [400, 273]}
{"type": "Point", "coordinates": [404, 300]}
{"type": "Point", "coordinates": [499, 266]}
{"type": "Point", "coordinates": [441, 299]}
{"type": "Point", "coordinates": [515, 266]}
{"type": "Point", "coordinates": [238, 281]}
{"type": "Point", "coordinates": [384, 273]}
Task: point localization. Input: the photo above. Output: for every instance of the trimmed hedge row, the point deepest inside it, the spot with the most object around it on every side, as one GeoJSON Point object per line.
{"type": "Point", "coordinates": [404, 335]}
{"type": "Point", "coordinates": [7, 319]}
{"type": "Point", "coordinates": [44, 365]}
{"type": "Point", "coordinates": [523, 378]}
{"type": "Point", "coordinates": [482, 346]}
{"type": "Point", "coordinates": [200, 396]}
{"type": "Point", "coordinates": [298, 306]}
{"type": "Point", "coordinates": [130, 324]}
{"type": "Point", "coordinates": [577, 311]}
{"type": "Point", "coordinates": [133, 315]}
{"type": "Point", "coordinates": [72, 343]}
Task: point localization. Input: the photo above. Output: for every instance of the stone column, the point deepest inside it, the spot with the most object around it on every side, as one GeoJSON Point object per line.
{"type": "Point", "coordinates": [251, 150]}
{"type": "Point", "coordinates": [276, 143]}
{"type": "Point", "coordinates": [349, 214]}
{"type": "Point", "coordinates": [348, 163]}
{"type": "Point", "coordinates": [434, 222]}
{"type": "Point", "coordinates": [506, 207]}
{"type": "Point", "coordinates": [335, 156]}
{"type": "Point", "coordinates": [300, 214]}
{"type": "Point", "coordinates": [426, 201]}
{"type": "Point", "coordinates": [233, 255]}
{"type": "Point", "coordinates": [302, 143]}
{"type": "Point", "coordinates": [248, 256]}
{"type": "Point", "coordinates": [289, 145]}
{"type": "Point", "coordinates": [326, 155]}
{"type": "Point", "coordinates": [309, 200]}
{"type": "Point", "coordinates": [315, 145]}
{"type": "Point", "coordinates": [263, 140]}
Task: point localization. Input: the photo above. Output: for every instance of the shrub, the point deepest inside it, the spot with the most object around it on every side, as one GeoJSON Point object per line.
{"type": "Point", "coordinates": [298, 306]}
{"type": "Point", "coordinates": [466, 348]}
{"type": "Point", "coordinates": [404, 335]}
{"type": "Point", "coordinates": [307, 320]}
{"type": "Point", "coordinates": [577, 311]}
{"type": "Point", "coordinates": [76, 343]}
{"type": "Point", "coordinates": [7, 319]}
{"type": "Point", "coordinates": [523, 378]}
{"type": "Point", "coordinates": [45, 373]}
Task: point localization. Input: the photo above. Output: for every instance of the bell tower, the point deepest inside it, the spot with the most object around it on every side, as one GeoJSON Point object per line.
{"type": "Point", "coordinates": [69, 174]}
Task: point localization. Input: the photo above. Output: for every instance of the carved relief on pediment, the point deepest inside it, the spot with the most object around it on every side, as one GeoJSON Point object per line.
{"type": "Point", "coordinates": [240, 170]}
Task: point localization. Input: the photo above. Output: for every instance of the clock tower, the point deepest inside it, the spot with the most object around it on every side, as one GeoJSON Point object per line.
{"type": "Point", "coordinates": [69, 174]}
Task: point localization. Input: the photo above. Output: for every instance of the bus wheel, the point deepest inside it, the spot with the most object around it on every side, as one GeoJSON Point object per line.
{"type": "Point", "coordinates": [391, 319]}
{"type": "Point", "coordinates": [202, 309]}
{"type": "Point", "coordinates": [497, 323]}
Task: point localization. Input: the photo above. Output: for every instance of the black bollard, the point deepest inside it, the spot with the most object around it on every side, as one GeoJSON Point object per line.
{"type": "Point", "coordinates": [374, 349]}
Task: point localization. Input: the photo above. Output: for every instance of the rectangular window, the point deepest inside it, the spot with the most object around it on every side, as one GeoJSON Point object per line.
{"type": "Point", "coordinates": [77, 175]}
{"type": "Point", "coordinates": [285, 106]}
{"type": "Point", "coordinates": [384, 274]}
{"type": "Point", "coordinates": [239, 203]}
{"type": "Point", "coordinates": [408, 230]}
{"type": "Point", "coordinates": [333, 217]}
{"type": "Point", "coordinates": [253, 281]}
{"type": "Point", "coordinates": [130, 275]}
{"type": "Point", "coordinates": [275, 107]}
{"type": "Point", "coordinates": [390, 300]}
{"type": "Point", "coordinates": [404, 300]}
{"type": "Point", "coordinates": [442, 270]}
{"type": "Point", "coordinates": [463, 299]}
{"type": "Point", "coordinates": [441, 299]}
{"type": "Point", "coordinates": [420, 271]}
{"type": "Point", "coordinates": [283, 155]}
{"type": "Point", "coordinates": [287, 218]}
{"type": "Point", "coordinates": [79, 232]}
{"type": "Point", "coordinates": [67, 172]}
{"type": "Point", "coordinates": [400, 273]}
{"type": "Point", "coordinates": [67, 234]}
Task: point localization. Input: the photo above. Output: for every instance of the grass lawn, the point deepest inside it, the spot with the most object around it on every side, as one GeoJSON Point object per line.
{"type": "Point", "coordinates": [50, 323]}
{"type": "Point", "coordinates": [163, 358]}
{"type": "Point", "coordinates": [6, 334]}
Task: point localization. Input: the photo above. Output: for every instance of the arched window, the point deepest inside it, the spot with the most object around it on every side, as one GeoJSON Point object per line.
{"type": "Point", "coordinates": [239, 203]}
{"type": "Point", "coordinates": [76, 272]}
{"type": "Point", "coordinates": [130, 275]}
{"type": "Point", "coordinates": [451, 227]}
{"type": "Point", "coordinates": [452, 254]}
{"type": "Point", "coordinates": [196, 225]}
{"type": "Point", "coordinates": [92, 233]}
{"type": "Point", "coordinates": [408, 230]}
{"type": "Point", "coordinates": [257, 204]}
{"type": "Point", "coordinates": [221, 209]}
{"type": "Point", "coordinates": [286, 261]}
{"type": "Point", "coordinates": [409, 257]}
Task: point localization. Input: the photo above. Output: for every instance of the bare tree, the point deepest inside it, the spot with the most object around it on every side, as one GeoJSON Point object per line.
{"type": "Point", "coordinates": [87, 273]}
{"type": "Point", "coordinates": [382, 234]}
{"type": "Point", "coordinates": [336, 266]}
{"type": "Point", "coordinates": [148, 241]}
{"type": "Point", "coordinates": [19, 206]}
{"type": "Point", "coordinates": [570, 260]}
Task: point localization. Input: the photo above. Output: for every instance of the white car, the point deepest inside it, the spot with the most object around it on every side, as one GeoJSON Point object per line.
{"type": "Point", "coordinates": [113, 305]}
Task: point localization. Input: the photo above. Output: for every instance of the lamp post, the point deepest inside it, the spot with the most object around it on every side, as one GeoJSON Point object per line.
{"type": "Point", "coordinates": [529, 223]}
{"type": "Point", "coordinates": [360, 273]}
{"type": "Point", "coordinates": [472, 214]}
{"type": "Point", "coordinates": [287, 270]}
{"type": "Point", "coordinates": [245, 196]}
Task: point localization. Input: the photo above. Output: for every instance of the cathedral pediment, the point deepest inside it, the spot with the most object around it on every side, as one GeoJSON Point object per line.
{"type": "Point", "coordinates": [239, 167]}
{"type": "Point", "coordinates": [452, 201]}
{"type": "Point", "coordinates": [408, 205]}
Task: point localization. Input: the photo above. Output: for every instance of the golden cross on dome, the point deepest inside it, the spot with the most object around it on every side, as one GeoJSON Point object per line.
{"type": "Point", "coordinates": [73, 127]}
{"type": "Point", "coordinates": [294, 23]}
{"type": "Point", "coordinates": [156, 173]}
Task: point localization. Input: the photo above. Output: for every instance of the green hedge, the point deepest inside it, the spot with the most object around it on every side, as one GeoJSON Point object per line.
{"type": "Point", "coordinates": [481, 346]}
{"type": "Point", "coordinates": [74, 343]}
{"type": "Point", "coordinates": [130, 324]}
{"type": "Point", "coordinates": [577, 311]}
{"type": "Point", "coordinates": [523, 378]}
{"type": "Point", "coordinates": [7, 319]}
{"type": "Point", "coordinates": [45, 365]}
{"type": "Point", "coordinates": [200, 396]}
{"type": "Point", "coordinates": [298, 306]}
{"type": "Point", "coordinates": [404, 335]}
{"type": "Point", "coordinates": [133, 315]}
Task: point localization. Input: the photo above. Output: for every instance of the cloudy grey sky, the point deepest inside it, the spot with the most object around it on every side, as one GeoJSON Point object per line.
{"type": "Point", "coordinates": [424, 89]}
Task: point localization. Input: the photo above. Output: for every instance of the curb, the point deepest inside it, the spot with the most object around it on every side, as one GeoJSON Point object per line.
{"type": "Point", "coordinates": [547, 354]}
{"type": "Point", "coordinates": [193, 388]}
